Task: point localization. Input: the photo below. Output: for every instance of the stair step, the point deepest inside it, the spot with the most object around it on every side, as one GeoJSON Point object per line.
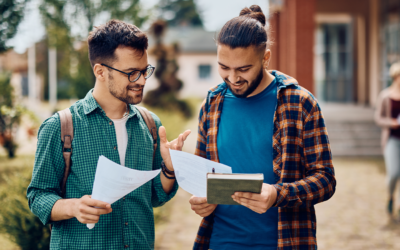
{"type": "Point", "coordinates": [357, 152]}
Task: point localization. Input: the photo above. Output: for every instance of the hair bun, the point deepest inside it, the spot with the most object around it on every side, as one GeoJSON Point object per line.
{"type": "Point", "coordinates": [254, 12]}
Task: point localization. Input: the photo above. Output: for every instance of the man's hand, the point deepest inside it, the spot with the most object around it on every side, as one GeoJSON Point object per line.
{"type": "Point", "coordinates": [176, 144]}
{"type": "Point", "coordinates": [259, 203]}
{"type": "Point", "coordinates": [88, 210]}
{"type": "Point", "coordinates": [201, 207]}
{"type": "Point", "coordinates": [395, 123]}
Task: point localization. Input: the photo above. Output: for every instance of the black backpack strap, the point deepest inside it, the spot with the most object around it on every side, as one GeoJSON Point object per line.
{"type": "Point", "coordinates": [151, 125]}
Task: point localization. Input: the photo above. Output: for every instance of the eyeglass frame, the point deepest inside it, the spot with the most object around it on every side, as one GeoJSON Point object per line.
{"type": "Point", "coordinates": [130, 73]}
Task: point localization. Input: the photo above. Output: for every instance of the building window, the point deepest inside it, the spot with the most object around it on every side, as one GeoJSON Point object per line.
{"type": "Point", "coordinates": [205, 71]}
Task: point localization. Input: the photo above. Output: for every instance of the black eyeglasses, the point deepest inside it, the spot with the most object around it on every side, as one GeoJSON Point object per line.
{"type": "Point", "coordinates": [135, 75]}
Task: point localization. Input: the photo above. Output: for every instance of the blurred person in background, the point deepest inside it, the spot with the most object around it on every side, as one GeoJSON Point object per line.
{"type": "Point", "coordinates": [106, 122]}
{"type": "Point", "coordinates": [260, 121]}
{"type": "Point", "coordinates": [387, 116]}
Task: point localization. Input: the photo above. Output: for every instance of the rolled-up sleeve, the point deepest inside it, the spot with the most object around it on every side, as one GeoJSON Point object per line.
{"type": "Point", "coordinates": [319, 183]}
{"type": "Point", "coordinates": [44, 189]}
{"type": "Point", "coordinates": [159, 197]}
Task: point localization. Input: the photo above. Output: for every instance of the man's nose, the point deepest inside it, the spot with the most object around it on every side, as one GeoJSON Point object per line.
{"type": "Point", "coordinates": [141, 80]}
{"type": "Point", "coordinates": [233, 78]}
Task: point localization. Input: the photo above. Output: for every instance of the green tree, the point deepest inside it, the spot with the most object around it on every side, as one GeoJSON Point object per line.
{"type": "Point", "coordinates": [180, 12]}
{"type": "Point", "coordinates": [68, 24]}
{"type": "Point", "coordinates": [11, 14]}
{"type": "Point", "coordinates": [10, 115]}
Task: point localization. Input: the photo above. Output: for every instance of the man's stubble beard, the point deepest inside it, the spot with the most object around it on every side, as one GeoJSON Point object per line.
{"type": "Point", "coordinates": [124, 97]}
{"type": "Point", "coordinates": [252, 87]}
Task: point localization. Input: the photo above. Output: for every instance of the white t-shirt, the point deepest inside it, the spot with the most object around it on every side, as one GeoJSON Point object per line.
{"type": "Point", "coordinates": [122, 137]}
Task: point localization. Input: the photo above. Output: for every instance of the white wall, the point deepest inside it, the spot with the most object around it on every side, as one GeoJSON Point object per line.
{"type": "Point", "coordinates": [188, 72]}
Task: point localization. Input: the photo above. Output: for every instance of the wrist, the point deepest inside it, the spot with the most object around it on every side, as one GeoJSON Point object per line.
{"type": "Point", "coordinates": [168, 173]}
{"type": "Point", "coordinates": [169, 166]}
{"type": "Point", "coordinates": [70, 205]}
{"type": "Point", "coordinates": [274, 196]}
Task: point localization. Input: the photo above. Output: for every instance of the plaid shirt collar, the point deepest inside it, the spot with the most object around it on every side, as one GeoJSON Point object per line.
{"type": "Point", "coordinates": [283, 81]}
{"type": "Point", "coordinates": [90, 104]}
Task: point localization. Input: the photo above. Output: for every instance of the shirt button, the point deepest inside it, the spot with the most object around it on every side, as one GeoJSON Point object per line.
{"type": "Point", "coordinates": [126, 246]}
{"type": "Point", "coordinates": [126, 223]}
{"type": "Point", "coordinates": [111, 123]}
{"type": "Point", "coordinates": [115, 147]}
{"type": "Point", "coordinates": [123, 198]}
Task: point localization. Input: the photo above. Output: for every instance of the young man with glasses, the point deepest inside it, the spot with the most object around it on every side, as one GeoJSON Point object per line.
{"type": "Point", "coordinates": [106, 122]}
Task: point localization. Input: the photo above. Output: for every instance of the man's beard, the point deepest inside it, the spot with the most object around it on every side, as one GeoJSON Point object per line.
{"type": "Point", "coordinates": [124, 94]}
{"type": "Point", "coordinates": [253, 85]}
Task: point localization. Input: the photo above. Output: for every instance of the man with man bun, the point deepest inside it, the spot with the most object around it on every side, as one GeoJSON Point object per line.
{"type": "Point", "coordinates": [260, 121]}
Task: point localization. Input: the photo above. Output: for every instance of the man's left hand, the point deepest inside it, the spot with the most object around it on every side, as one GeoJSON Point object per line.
{"type": "Point", "coordinates": [259, 203]}
{"type": "Point", "coordinates": [176, 144]}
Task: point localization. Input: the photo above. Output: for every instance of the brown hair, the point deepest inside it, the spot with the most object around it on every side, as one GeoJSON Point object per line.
{"type": "Point", "coordinates": [248, 29]}
{"type": "Point", "coordinates": [105, 39]}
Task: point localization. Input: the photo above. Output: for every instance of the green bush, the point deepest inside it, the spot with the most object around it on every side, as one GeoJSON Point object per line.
{"type": "Point", "coordinates": [16, 220]}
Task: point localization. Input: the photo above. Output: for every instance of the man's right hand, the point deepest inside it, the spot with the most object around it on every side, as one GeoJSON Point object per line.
{"type": "Point", "coordinates": [88, 210]}
{"type": "Point", "coordinates": [395, 124]}
{"type": "Point", "coordinates": [201, 207]}
{"type": "Point", "coordinates": [85, 209]}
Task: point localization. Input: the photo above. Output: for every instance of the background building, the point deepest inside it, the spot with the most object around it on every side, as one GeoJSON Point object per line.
{"type": "Point", "coordinates": [340, 50]}
{"type": "Point", "coordinates": [197, 60]}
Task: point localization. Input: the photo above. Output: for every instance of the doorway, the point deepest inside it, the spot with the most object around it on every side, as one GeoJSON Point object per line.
{"type": "Point", "coordinates": [334, 62]}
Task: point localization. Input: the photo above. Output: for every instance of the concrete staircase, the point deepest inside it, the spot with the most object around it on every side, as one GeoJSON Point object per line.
{"type": "Point", "coordinates": [352, 130]}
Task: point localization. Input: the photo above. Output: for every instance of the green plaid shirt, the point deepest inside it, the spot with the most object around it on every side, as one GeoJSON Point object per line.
{"type": "Point", "coordinates": [131, 223]}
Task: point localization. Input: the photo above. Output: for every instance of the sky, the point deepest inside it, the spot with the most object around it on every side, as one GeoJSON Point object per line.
{"type": "Point", "coordinates": [214, 13]}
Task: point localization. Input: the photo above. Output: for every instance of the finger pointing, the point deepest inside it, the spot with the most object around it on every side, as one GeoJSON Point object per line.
{"type": "Point", "coordinates": [186, 134]}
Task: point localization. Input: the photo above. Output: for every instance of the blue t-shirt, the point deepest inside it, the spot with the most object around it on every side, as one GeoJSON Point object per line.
{"type": "Point", "coordinates": [245, 143]}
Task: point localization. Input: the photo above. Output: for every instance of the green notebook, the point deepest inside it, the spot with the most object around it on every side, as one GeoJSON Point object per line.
{"type": "Point", "coordinates": [220, 187]}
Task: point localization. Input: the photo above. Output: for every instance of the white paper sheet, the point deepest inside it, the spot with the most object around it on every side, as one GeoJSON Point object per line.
{"type": "Point", "coordinates": [113, 181]}
{"type": "Point", "coordinates": [191, 171]}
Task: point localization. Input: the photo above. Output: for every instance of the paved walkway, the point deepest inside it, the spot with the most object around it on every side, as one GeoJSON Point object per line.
{"type": "Point", "coordinates": [354, 219]}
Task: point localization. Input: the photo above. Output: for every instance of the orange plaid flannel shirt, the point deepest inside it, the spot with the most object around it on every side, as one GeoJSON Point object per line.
{"type": "Point", "coordinates": [302, 161]}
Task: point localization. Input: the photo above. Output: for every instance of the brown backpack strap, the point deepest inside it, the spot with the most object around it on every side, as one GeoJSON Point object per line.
{"type": "Point", "coordinates": [67, 135]}
{"type": "Point", "coordinates": [151, 125]}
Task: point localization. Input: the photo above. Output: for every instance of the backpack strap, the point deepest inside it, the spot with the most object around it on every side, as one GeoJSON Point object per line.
{"type": "Point", "coordinates": [151, 126]}
{"type": "Point", "coordinates": [67, 135]}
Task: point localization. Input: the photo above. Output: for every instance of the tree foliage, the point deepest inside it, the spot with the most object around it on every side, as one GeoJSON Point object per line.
{"type": "Point", "coordinates": [10, 115]}
{"type": "Point", "coordinates": [68, 23]}
{"type": "Point", "coordinates": [180, 12]}
{"type": "Point", "coordinates": [11, 14]}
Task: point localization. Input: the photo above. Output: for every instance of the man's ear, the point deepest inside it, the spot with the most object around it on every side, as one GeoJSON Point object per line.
{"type": "Point", "coordinates": [267, 58]}
{"type": "Point", "coordinates": [99, 72]}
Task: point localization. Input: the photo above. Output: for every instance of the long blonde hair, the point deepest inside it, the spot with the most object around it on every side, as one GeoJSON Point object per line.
{"type": "Point", "coordinates": [394, 70]}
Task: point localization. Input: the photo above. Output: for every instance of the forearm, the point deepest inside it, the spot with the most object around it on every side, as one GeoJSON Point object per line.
{"type": "Point", "coordinates": [306, 192]}
{"type": "Point", "coordinates": [386, 122]}
{"type": "Point", "coordinates": [63, 210]}
{"type": "Point", "coordinates": [167, 184]}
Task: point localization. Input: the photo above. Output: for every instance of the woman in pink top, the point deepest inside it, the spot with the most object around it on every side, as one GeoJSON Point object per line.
{"type": "Point", "coordinates": [387, 116]}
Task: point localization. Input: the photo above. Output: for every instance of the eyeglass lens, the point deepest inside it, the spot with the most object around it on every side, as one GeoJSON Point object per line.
{"type": "Point", "coordinates": [135, 75]}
